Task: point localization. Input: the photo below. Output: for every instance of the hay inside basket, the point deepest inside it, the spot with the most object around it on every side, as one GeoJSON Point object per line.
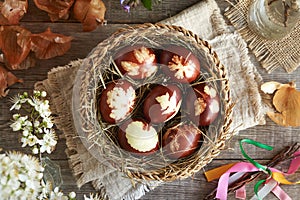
{"type": "Point", "coordinates": [100, 137]}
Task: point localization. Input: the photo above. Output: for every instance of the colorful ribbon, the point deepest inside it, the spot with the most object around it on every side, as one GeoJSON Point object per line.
{"type": "Point", "coordinates": [274, 176]}
{"type": "Point", "coordinates": [256, 164]}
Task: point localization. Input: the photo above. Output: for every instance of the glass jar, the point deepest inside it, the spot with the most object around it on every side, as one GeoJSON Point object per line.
{"type": "Point", "coordinates": [273, 19]}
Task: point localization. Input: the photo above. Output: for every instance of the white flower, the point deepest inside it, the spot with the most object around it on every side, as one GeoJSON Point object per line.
{"type": "Point", "coordinates": [43, 94]}
{"type": "Point", "coordinates": [32, 140]}
{"type": "Point", "coordinates": [36, 128]}
{"type": "Point", "coordinates": [43, 108]}
{"type": "Point", "coordinates": [16, 116]}
{"type": "Point", "coordinates": [31, 102]}
{"type": "Point", "coordinates": [27, 124]}
{"type": "Point", "coordinates": [47, 121]}
{"type": "Point", "coordinates": [48, 142]}
{"type": "Point", "coordinates": [20, 176]}
{"type": "Point", "coordinates": [24, 141]}
{"type": "Point", "coordinates": [36, 123]}
{"type": "Point", "coordinates": [17, 125]}
{"type": "Point", "coordinates": [49, 194]}
{"type": "Point", "coordinates": [36, 93]}
{"type": "Point", "coordinates": [72, 195]}
{"type": "Point", "coordinates": [16, 103]}
{"type": "Point", "coordinates": [57, 195]}
{"type": "Point", "coordinates": [46, 189]}
{"type": "Point", "coordinates": [25, 132]}
{"type": "Point", "coordinates": [35, 150]}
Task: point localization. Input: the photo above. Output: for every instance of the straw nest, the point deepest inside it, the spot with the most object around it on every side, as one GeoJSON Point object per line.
{"type": "Point", "coordinates": [100, 137]}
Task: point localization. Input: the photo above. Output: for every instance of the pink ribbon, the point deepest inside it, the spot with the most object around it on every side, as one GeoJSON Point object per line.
{"type": "Point", "coordinates": [223, 181]}
{"type": "Point", "coordinates": [280, 194]}
{"type": "Point", "coordinates": [295, 164]}
{"type": "Point", "coordinates": [241, 193]}
{"type": "Point", "coordinates": [248, 167]}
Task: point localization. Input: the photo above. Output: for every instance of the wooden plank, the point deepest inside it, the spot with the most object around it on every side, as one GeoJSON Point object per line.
{"type": "Point", "coordinates": [116, 15]}
{"type": "Point", "coordinates": [191, 188]}
{"type": "Point", "coordinates": [195, 187]}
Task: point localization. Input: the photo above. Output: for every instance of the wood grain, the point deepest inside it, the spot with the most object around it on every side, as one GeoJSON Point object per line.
{"type": "Point", "coordinates": [192, 188]}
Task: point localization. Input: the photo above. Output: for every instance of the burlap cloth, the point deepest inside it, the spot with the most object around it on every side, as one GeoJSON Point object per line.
{"type": "Point", "coordinates": [204, 19]}
{"type": "Point", "coordinates": [272, 54]}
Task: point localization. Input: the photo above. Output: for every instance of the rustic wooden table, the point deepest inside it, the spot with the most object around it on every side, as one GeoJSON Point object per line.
{"type": "Point", "coordinates": [192, 188]}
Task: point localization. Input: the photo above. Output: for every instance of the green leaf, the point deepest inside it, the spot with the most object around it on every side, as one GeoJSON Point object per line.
{"type": "Point", "coordinates": [147, 4]}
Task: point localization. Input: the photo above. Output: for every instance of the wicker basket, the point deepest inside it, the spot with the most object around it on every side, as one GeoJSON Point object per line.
{"type": "Point", "coordinates": [98, 136]}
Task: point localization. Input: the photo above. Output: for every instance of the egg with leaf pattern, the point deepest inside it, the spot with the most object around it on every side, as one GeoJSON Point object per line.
{"type": "Point", "coordinates": [137, 62]}
{"type": "Point", "coordinates": [138, 137]}
{"type": "Point", "coordinates": [180, 64]}
{"type": "Point", "coordinates": [203, 104]}
{"type": "Point", "coordinates": [181, 140]}
{"type": "Point", "coordinates": [162, 103]}
{"type": "Point", "coordinates": [117, 101]}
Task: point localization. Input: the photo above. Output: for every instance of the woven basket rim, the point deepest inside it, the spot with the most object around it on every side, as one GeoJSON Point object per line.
{"type": "Point", "coordinates": [172, 171]}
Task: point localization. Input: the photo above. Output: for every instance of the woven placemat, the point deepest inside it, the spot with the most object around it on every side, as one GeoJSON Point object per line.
{"type": "Point", "coordinates": [272, 54]}
{"type": "Point", "coordinates": [232, 52]}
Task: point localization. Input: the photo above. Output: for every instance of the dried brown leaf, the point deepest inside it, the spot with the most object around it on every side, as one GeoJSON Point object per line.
{"type": "Point", "coordinates": [15, 44]}
{"type": "Point", "coordinates": [12, 11]}
{"type": "Point", "coordinates": [90, 13]}
{"type": "Point", "coordinates": [270, 87]}
{"type": "Point", "coordinates": [6, 79]}
{"type": "Point", "coordinates": [56, 9]}
{"type": "Point", "coordinates": [48, 44]}
{"type": "Point", "coordinates": [287, 104]}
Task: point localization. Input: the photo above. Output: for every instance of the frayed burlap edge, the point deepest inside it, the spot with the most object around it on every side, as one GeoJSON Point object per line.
{"type": "Point", "coordinates": [61, 110]}
{"type": "Point", "coordinates": [253, 80]}
{"type": "Point", "coordinates": [270, 58]}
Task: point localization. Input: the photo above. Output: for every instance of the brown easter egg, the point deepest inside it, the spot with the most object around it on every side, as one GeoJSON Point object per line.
{"type": "Point", "coordinates": [137, 62]}
{"type": "Point", "coordinates": [117, 101]}
{"type": "Point", "coordinates": [138, 137]}
{"type": "Point", "coordinates": [162, 103]}
{"type": "Point", "coordinates": [203, 104]}
{"type": "Point", "coordinates": [180, 64]}
{"type": "Point", "coordinates": [181, 140]}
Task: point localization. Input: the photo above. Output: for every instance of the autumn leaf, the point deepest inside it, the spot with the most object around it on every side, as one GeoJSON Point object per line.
{"type": "Point", "coordinates": [12, 11]}
{"type": "Point", "coordinates": [48, 44]}
{"type": "Point", "coordinates": [15, 44]}
{"type": "Point", "coordinates": [56, 9]}
{"type": "Point", "coordinates": [90, 13]}
{"type": "Point", "coordinates": [286, 101]}
{"type": "Point", "coordinates": [6, 79]}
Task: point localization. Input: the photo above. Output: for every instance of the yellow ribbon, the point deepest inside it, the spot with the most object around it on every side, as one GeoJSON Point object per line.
{"type": "Point", "coordinates": [280, 178]}
{"type": "Point", "coordinates": [216, 173]}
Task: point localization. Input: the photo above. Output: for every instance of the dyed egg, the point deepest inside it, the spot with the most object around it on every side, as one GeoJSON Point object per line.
{"type": "Point", "coordinates": [203, 104]}
{"type": "Point", "coordinates": [137, 62]}
{"type": "Point", "coordinates": [138, 137]}
{"type": "Point", "coordinates": [117, 101]}
{"type": "Point", "coordinates": [181, 140]}
{"type": "Point", "coordinates": [162, 103]}
{"type": "Point", "coordinates": [180, 64]}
